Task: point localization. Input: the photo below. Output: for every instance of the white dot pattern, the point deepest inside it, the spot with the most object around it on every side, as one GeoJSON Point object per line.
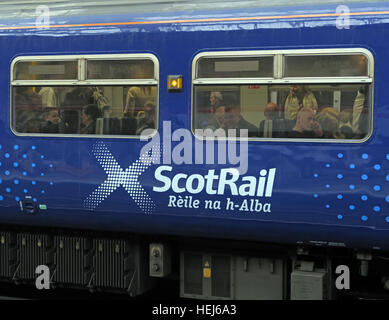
{"type": "Point", "coordinates": [118, 177]}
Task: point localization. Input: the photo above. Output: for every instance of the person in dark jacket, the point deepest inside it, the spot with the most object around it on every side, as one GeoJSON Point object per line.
{"type": "Point", "coordinates": [234, 120]}
{"type": "Point", "coordinates": [89, 115]}
{"type": "Point", "coordinates": [266, 126]}
{"type": "Point", "coordinates": [306, 126]}
{"type": "Point", "coordinates": [51, 121]}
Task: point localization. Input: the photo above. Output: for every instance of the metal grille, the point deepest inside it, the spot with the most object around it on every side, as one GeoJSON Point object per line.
{"type": "Point", "coordinates": [33, 250]}
{"type": "Point", "coordinates": [72, 259]}
{"type": "Point", "coordinates": [7, 254]}
{"type": "Point", "coordinates": [112, 263]}
{"type": "Point", "coordinates": [193, 278]}
{"type": "Point", "coordinates": [221, 276]}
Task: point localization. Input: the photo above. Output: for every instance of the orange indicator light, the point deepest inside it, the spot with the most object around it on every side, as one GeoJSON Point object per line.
{"type": "Point", "coordinates": [174, 83]}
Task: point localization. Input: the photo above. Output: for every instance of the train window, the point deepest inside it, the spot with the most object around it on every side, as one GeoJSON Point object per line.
{"type": "Point", "coordinates": [45, 70]}
{"type": "Point", "coordinates": [326, 66]}
{"type": "Point", "coordinates": [120, 69]}
{"type": "Point", "coordinates": [248, 67]}
{"type": "Point", "coordinates": [316, 106]}
{"type": "Point", "coordinates": [112, 107]}
{"type": "Point", "coordinates": [248, 107]}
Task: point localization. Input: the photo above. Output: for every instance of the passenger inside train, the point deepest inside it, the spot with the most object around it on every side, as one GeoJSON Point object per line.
{"type": "Point", "coordinates": [125, 97]}
{"type": "Point", "coordinates": [51, 119]}
{"type": "Point", "coordinates": [346, 120]}
{"type": "Point", "coordinates": [333, 87]}
{"type": "Point", "coordinates": [106, 107]}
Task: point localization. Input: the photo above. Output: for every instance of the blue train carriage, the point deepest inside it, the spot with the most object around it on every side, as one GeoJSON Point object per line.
{"type": "Point", "coordinates": [240, 148]}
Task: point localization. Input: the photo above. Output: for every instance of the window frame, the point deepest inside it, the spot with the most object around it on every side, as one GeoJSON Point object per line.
{"type": "Point", "coordinates": [278, 67]}
{"type": "Point", "coordinates": [83, 82]}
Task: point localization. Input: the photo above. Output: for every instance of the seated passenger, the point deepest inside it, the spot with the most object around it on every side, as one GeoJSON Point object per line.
{"type": "Point", "coordinates": [33, 126]}
{"type": "Point", "coordinates": [89, 115]}
{"type": "Point", "coordinates": [299, 97]}
{"type": "Point", "coordinates": [51, 121]}
{"type": "Point", "coordinates": [205, 112]}
{"type": "Point", "coordinates": [146, 119]}
{"type": "Point", "coordinates": [328, 119]}
{"type": "Point", "coordinates": [306, 126]}
{"type": "Point", "coordinates": [266, 126]}
{"type": "Point", "coordinates": [27, 121]}
{"type": "Point", "coordinates": [69, 123]}
{"type": "Point", "coordinates": [234, 120]}
{"type": "Point", "coordinates": [271, 111]}
{"type": "Point", "coordinates": [216, 100]}
{"type": "Point", "coordinates": [217, 119]}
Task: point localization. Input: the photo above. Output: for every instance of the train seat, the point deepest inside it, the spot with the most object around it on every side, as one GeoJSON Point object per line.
{"type": "Point", "coordinates": [128, 126]}
{"type": "Point", "coordinates": [108, 126]}
{"type": "Point", "coordinates": [277, 128]}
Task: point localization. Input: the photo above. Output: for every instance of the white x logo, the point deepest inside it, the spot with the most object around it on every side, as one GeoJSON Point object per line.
{"type": "Point", "coordinates": [118, 177]}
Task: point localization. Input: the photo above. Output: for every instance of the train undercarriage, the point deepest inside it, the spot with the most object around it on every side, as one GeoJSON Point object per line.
{"type": "Point", "coordinates": [134, 265]}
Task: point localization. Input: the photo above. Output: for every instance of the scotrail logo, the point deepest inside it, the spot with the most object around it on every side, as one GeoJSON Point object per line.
{"type": "Point", "coordinates": [178, 149]}
{"type": "Point", "coordinates": [118, 177]}
{"type": "Point", "coordinates": [226, 180]}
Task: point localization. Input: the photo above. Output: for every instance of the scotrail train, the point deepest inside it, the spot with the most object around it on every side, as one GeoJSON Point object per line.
{"type": "Point", "coordinates": [241, 147]}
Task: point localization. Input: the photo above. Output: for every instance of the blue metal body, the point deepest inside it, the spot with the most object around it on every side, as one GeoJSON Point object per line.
{"type": "Point", "coordinates": [310, 203]}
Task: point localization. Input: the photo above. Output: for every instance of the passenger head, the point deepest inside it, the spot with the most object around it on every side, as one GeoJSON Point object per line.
{"type": "Point", "coordinates": [300, 88]}
{"type": "Point", "coordinates": [90, 113]}
{"type": "Point", "coordinates": [149, 107]}
{"type": "Point", "coordinates": [297, 89]}
{"type": "Point", "coordinates": [271, 111]}
{"type": "Point", "coordinates": [329, 121]}
{"type": "Point", "coordinates": [232, 116]}
{"type": "Point", "coordinates": [305, 120]}
{"type": "Point", "coordinates": [215, 98]}
{"type": "Point", "coordinates": [51, 115]}
{"type": "Point", "coordinates": [220, 113]}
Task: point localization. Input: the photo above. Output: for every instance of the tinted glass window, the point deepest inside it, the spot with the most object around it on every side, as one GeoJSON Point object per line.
{"type": "Point", "coordinates": [120, 69]}
{"type": "Point", "coordinates": [261, 67]}
{"type": "Point", "coordinates": [326, 66]}
{"type": "Point", "coordinates": [46, 70]}
{"type": "Point", "coordinates": [322, 111]}
{"type": "Point", "coordinates": [84, 110]}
